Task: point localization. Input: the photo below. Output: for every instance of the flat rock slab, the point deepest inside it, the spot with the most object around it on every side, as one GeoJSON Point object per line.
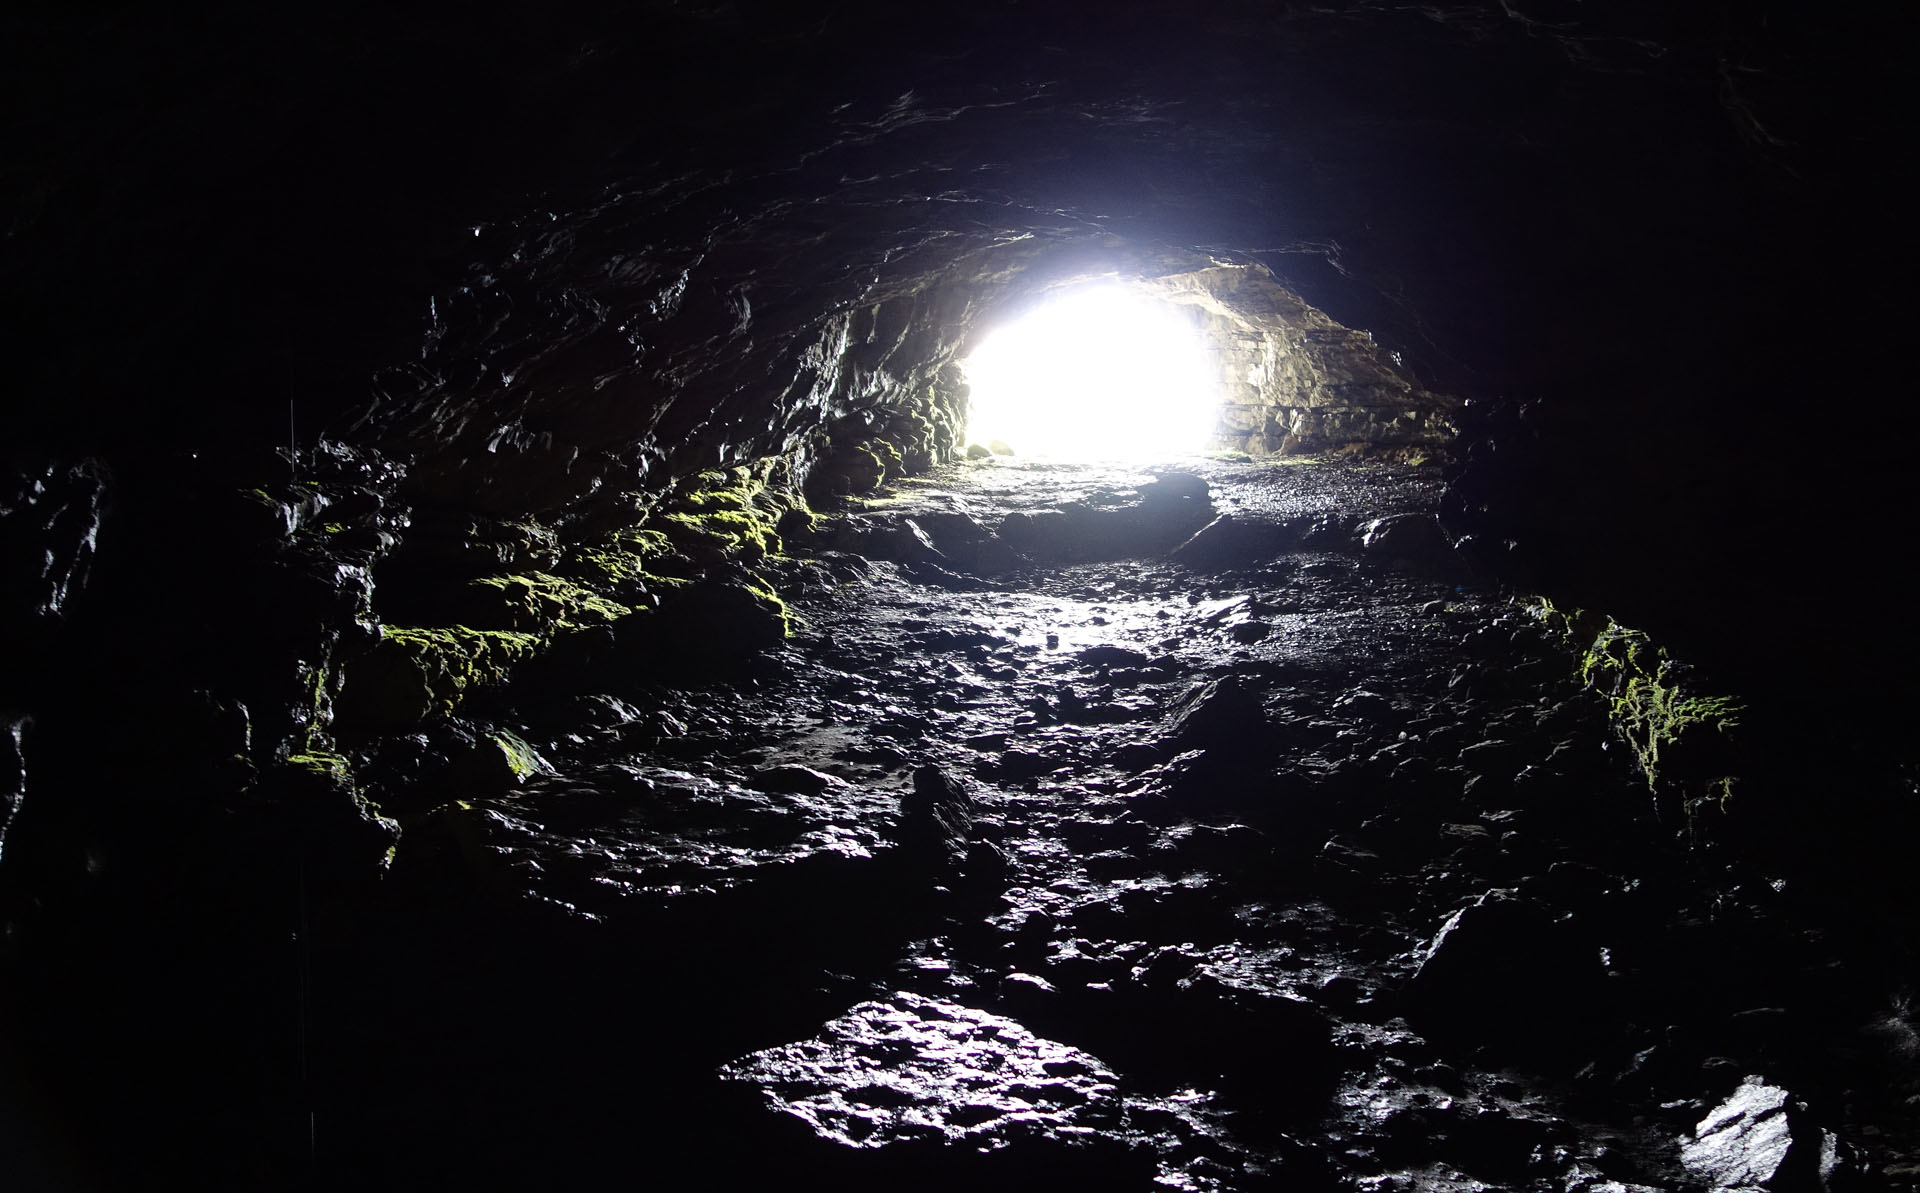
{"type": "Point", "coordinates": [913, 1068]}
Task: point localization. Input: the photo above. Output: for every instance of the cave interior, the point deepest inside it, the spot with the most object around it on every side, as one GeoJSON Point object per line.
{"type": "Point", "coordinates": [516, 671]}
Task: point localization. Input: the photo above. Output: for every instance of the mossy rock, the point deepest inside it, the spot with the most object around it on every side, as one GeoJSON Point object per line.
{"type": "Point", "coordinates": [734, 499]}
{"type": "Point", "coordinates": [535, 603]}
{"type": "Point", "coordinates": [719, 535]}
{"type": "Point", "coordinates": [412, 674]}
{"type": "Point", "coordinates": [498, 761]}
{"type": "Point", "coordinates": [344, 837]}
{"type": "Point", "coordinates": [849, 469]}
{"type": "Point", "coordinates": [727, 515]}
{"type": "Point", "coordinates": [629, 567]}
{"type": "Point", "coordinates": [1680, 739]}
{"type": "Point", "coordinates": [711, 625]}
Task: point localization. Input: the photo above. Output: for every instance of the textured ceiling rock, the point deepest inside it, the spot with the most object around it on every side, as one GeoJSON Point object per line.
{"type": "Point", "coordinates": [573, 257]}
{"type": "Point", "coordinates": [613, 383]}
{"type": "Point", "coordinates": [1435, 172]}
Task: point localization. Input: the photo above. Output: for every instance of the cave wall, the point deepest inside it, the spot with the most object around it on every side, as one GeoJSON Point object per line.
{"type": "Point", "coordinates": [293, 305]}
{"type": "Point", "coordinates": [360, 357]}
{"type": "Point", "coordinates": [1295, 381]}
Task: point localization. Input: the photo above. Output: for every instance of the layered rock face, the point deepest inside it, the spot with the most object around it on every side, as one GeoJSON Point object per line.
{"type": "Point", "coordinates": [636, 391]}
{"type": "Point", "coordinates": [1296, 381]}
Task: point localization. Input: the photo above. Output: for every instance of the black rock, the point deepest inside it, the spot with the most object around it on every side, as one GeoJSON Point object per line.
{"type": "Point", "coordinates": [712, 624]}
{"type": "Point", "coordinates": [1222, 713]}
{"type": "Point", "coordinates": [1230, 541]}
{"type": "Point", "coordinates": [936, 817]}
{"type": "Point", "coordinates": [1277, 1048]}
{"type": "Point", "coordinates": [1107, 655]}
{"type": "Point", "coordinates": [986, 868]}
{"type": "Point", "coordinates": [1176, 488]}
{"type": "Point", "coordinates": [1505, 973]}
{"type": "Point", "coordinates": [1761, 1138]}
{"type": "Point", "coordinates": [1408, 540]}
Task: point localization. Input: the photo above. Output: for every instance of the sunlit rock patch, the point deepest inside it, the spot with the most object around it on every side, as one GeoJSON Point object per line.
{"type": "Point", "coordinates": [912, 1067]}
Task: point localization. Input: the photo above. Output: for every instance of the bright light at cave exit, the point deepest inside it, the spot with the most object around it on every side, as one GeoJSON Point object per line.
{"type": "Point", "coordinates": [1100, 372]}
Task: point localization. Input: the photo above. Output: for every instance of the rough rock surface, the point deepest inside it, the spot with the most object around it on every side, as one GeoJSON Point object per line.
{"type": "Point", "coordinates": [641, 242]}
{"type": "Point", "coordinates": [914, 1068]}
{"type": "Point", "coordinates": [1752, 1141]}
{"type": "Point", "coordinates": [389, 391]}
{"type": "Point", "coordinates": [1064, 872]}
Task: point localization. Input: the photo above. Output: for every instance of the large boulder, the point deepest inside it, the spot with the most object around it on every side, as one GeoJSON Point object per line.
{"type": "Point", "coordinates": [1503, 972]}
{"type": "Point", "coordinates": [1760, 1138]}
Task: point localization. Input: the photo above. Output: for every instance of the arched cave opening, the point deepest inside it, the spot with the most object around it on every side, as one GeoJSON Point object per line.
{"type": "Point", "coordinates": [512, 675]}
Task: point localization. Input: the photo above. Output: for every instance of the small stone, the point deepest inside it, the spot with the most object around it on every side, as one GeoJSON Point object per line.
{"type": "Point", "coordinates": [1364, 704]}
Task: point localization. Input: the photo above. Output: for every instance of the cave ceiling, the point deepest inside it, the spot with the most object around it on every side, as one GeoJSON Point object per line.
{"type": "Point", "coordinates": [505, 242]}
{"type": "Point", "coordinates": [490, 211]}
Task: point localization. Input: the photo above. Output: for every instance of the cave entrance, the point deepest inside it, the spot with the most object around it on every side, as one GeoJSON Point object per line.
{"type": "Point", "coordinates": [1096, 372]}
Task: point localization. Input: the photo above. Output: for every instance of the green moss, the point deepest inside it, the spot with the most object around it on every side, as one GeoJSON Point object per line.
{"type": "Point", "coordinates": [623, 573]}
{"type": "Point", "coordinates": [316, 679]}
{"type": "Point", "coordinates": [630, 568]}
{"type": "Point", "coordinates": [520, 758]}
{"type": "Point", "coordinates": [722, 491]}
{"type": "Point", "coordinates": [322, 765]}
{"type": "Point", "coordinates": [887, 455]}
{"type": "Point", "coordinates": [770, 600]}
{"type": "Point", "coordinates": [413, 673]}
{"type": "Point", "coordinates": [727, 533]}
{"type": "Point", "coordinates": [720, 516]}
{"type": "Point", "coordinates": [1657, 717]}
{"type": "Point", "coordinates": [1675, 734]}
{"type": "Point", "coordinates": [732, 513]}
{"type": "Point", "coordinates": [539, 603]}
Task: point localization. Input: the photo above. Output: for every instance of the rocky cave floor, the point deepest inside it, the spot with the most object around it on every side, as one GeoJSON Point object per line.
{"type": "Point", "coordinates": [1044, 856]}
